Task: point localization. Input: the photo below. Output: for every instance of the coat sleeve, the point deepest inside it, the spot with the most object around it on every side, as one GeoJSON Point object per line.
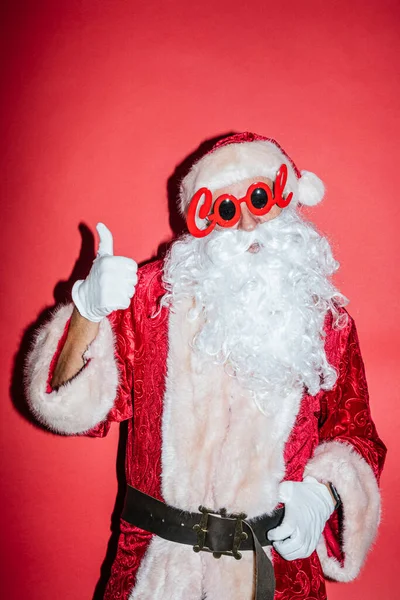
{"type": "Point", "coordinates": [100, 393]}
{"type": "Point", "coordinates": [351, 456]}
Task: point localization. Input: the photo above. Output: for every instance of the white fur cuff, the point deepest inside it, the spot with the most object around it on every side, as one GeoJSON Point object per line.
{"type": "Point", "coordinates": [85, 401]}
{"type": "Point", "coordinates": [355, 481]}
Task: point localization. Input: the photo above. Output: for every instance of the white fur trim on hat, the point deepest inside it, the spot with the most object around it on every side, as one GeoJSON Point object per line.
{"type": "Point", "coordinates": [234, 162]}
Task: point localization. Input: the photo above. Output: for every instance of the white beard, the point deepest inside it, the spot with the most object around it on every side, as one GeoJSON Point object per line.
{"type": "Point", "coordinates": [260, 314]}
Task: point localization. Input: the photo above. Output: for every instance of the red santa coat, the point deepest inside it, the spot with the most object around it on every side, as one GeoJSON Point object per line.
{"type": "Point", "coordinates": [195, 439]}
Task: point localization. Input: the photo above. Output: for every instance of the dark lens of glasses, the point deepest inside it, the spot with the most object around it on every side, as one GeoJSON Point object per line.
{"type": "Point", "coordinates": [227, 210]}
{"type": "Point", "coordinates": [259, 198]}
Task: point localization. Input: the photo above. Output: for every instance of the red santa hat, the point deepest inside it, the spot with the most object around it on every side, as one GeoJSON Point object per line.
{"type": "Point", "coordinates": [246, 155]}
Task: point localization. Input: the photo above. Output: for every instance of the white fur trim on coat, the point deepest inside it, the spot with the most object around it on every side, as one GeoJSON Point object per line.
{"type": "Point", "coordinates": [356, 484]}
{"type": "Point", "coordinates": [209, 458]}
{"type": "Point", "coordinates": [83, 402]}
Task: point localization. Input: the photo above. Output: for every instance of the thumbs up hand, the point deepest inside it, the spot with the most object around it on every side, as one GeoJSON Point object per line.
{"type": "Point", "coordinates": [110, 284]}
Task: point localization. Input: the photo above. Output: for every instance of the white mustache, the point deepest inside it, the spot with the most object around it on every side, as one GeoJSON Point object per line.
{"type": "Point", "coordinates": [226, 244]}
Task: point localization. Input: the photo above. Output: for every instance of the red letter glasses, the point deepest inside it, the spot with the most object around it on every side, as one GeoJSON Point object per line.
{"type": "Point", "coordinates": [226, 211]}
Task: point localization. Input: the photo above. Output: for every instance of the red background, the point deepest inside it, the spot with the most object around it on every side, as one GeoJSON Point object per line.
{"type": "Point", "coordinates": [101, 100]}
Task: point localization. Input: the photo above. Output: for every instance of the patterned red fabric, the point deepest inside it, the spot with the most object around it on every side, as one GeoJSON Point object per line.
{"type": "Point", "coordinates": [341, 414]}
{"type": "Point", "coordinates": [123, 328]}
{"type": "Point", "coordinates": [345, 416]}
{"type": "Point", "coordinates": [147, 354]}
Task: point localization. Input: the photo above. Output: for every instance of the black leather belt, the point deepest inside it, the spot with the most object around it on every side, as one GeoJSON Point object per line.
{"type": "Point", "coordinates": [208, 531]}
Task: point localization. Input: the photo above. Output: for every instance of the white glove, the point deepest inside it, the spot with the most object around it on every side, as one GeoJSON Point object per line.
{"type": "Point", "coordinates": [110, 284]}
{"type": "Point", "coordinates": [308, 506]}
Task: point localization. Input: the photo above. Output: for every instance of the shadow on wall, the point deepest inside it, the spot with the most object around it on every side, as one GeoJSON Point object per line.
{"type": "Point", "coordinates": [62, 295]}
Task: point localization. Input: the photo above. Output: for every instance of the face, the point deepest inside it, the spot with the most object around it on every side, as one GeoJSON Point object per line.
{"type": "Point", "coordinates": [248, 221]}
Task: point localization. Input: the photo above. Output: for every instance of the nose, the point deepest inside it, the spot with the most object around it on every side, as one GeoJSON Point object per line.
{"type": "Point", "coordinates": [248, 221]}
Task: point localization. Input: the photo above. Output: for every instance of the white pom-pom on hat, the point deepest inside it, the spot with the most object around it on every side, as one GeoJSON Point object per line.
{"type": "Point", "coordinates": [245, 155]}
{"type": "Point", "coordinates": [311, 189]}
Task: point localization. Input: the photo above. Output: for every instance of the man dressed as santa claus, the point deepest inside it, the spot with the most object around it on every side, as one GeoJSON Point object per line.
{"type": "Point", "coordinates": [252, 460]}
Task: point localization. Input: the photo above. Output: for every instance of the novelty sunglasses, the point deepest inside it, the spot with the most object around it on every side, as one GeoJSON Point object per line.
{"type": "Point", "coordinates": [226, 211]}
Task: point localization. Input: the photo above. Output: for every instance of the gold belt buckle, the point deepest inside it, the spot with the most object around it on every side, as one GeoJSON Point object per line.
{"type": "Point", "coordinates": [201, 529]}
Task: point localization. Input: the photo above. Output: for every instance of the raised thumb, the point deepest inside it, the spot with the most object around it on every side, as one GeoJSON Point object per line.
{"type": "Point", "coordinates": [106, 244]}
